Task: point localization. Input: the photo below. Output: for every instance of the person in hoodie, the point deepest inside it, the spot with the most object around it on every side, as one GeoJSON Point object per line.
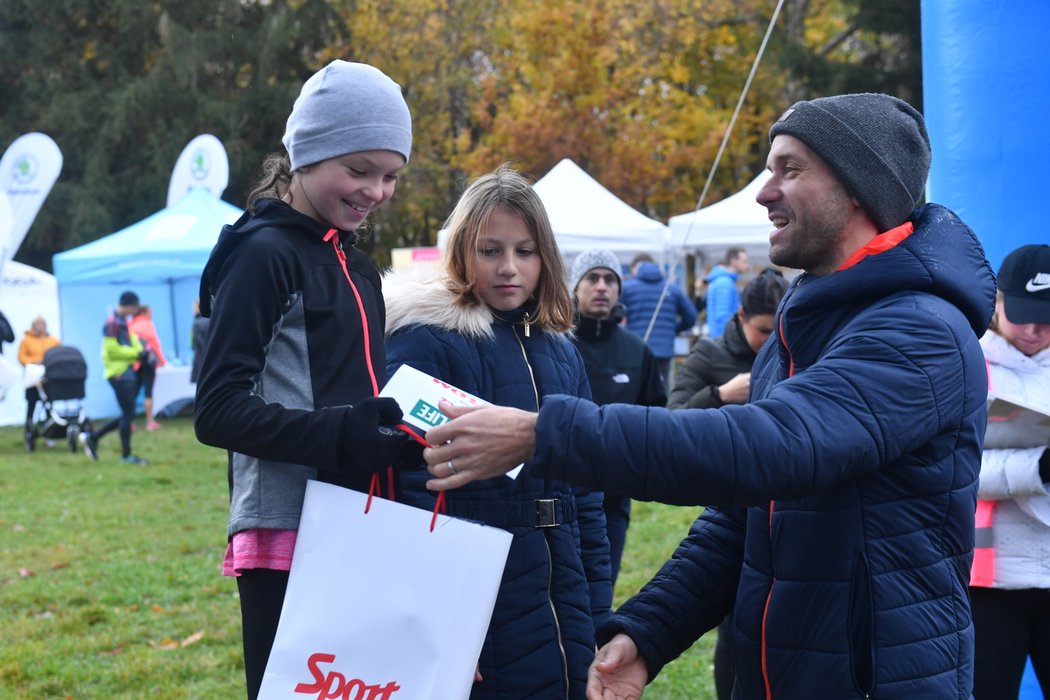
{"type": "Point", "coordinates": [840, 522]}
{"type": "Point", "coordinates": [295, 359]}
{"type": "Point", "coordinates": [620, 367]}
{"type": "Point", "coordinates": [1010, 580]}
{"type": "Point", "coordinates": [494, 323]}
{"type": "Point", "coordinates": [141, 324]}
{"type": "Point", "coordinates": [121, 351]}
{"type": "Point", "coordinates": [723, 298]}
{"type": "Point", "coordinates": [656, 310]}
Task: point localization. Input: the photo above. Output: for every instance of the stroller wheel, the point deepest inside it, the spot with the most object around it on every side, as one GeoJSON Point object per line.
{"type": "Point", "coordinates": [72, 435]}
{"type": "Point", "coordinates": [30, 442]}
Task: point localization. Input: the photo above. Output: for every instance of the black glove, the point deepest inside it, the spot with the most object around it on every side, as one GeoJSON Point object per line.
{"type": "Point", "coordinates": [412, 456]}
{"type": "Point", "coordinates": [370, 442]}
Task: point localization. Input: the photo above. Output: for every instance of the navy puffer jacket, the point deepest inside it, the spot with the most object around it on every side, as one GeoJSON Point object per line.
{"type": "Point", "coordinates": [556, 585]}
{"type": "Point", "coordinates": [846, 488]}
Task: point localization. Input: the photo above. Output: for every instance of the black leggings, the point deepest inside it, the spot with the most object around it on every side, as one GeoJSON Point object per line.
{"type": "Point", "coordinates": [32, 397]}
{"type": "Point", "coordinates": [145, 378]}
{"type": "Point", "coordinates": [1011, 625]}
{"type": "Point", "coordinates": [262, 596]}
{"type": "Point", "coordinates": [126, 391]}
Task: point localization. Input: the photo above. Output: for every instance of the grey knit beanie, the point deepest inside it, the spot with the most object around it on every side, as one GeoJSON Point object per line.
{"type": "Point", "coordinates": [876, 144]}
{"type": "Point", "coordinates": [345, 108]}
{"type": "Point", "coordinates": [590, 259]}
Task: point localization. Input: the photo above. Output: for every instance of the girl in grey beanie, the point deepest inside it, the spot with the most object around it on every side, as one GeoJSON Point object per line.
{"type": "Point", "coordinates": [344, 109]}
{"type": "Point", "coordinates": [291, 372]}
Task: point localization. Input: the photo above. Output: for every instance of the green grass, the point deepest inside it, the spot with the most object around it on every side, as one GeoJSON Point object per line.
{"type": "Point", "coordinates": [110, 584]}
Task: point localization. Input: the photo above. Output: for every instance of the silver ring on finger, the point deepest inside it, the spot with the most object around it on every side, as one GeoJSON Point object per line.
{"type": "Point", "coordinates": [451, 469]}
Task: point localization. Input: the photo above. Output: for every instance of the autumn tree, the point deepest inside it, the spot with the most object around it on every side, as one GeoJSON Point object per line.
{"type": "Point", "coordinates": [434, 49]}
{"type": "Point", "coordinates": [122, 86]}
{"type": "Point", "coordinates": [639, 94]}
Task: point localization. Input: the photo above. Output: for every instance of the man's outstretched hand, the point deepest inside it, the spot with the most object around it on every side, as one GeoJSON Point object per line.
{"type": "Point", "coordinates": [480, 443]}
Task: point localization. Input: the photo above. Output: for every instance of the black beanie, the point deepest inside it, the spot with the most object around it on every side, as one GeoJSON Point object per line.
{"type": "Point", "coordinates": [129, 299]}
{"type": "Point", "coordinates": [876, 144]}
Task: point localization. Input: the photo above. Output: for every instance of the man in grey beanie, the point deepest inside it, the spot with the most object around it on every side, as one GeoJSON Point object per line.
{"type": "Point", "coordinates": [620, 366]}
{"type": "Point", "coordinates": [839, 526]}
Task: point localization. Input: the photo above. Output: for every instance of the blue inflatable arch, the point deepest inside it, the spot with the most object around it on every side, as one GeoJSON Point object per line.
{"type": "Point", "coordinates": [986, 97]}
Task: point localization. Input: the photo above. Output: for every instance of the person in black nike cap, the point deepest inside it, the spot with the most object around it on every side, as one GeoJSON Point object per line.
{"type": "Point", "coordinates": [1010, 577]}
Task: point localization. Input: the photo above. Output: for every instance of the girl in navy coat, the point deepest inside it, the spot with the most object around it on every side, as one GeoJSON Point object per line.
{"type": "Point", "coordinates": [493, 322]}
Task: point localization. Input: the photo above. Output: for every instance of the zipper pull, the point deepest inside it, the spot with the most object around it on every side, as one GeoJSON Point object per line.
{"type": "Point", "coordinates": [526, 324]}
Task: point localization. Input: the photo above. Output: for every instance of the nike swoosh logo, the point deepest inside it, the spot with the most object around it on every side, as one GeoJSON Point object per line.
{"type": "Point", "coordinates": [1036, 287]}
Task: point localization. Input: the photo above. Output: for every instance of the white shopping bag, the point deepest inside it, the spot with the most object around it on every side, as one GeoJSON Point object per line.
{"type": "Point", "coordinates": [381, 607]}
{"type": "Point", "coordinates": [33, 375]}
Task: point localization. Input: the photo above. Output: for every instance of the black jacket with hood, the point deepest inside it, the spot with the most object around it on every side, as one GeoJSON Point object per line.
{"type": "Point", "coordinates": [288, 353]}
{"type": "Point", "coordinates": [710, 364]}
{"type": "Point", "coordinates": [620, 366]}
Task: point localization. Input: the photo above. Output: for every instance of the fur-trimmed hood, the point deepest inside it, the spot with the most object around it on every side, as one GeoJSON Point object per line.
{"type": "Point", "coordinates": [420, 296]}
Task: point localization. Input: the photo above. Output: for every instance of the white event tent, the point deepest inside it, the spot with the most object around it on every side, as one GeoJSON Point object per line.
{"type": "Point", "coordinates": [161, 259]}
{"type": "Point", "coordinates": [25, 292]}
{"type": "Point", "coordinates": [738, 220]}
{"type": "Point", "coordinates": [585, 215]}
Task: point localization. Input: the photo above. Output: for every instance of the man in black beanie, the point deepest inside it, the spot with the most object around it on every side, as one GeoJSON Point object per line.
{"type": "Point", "coordinates": [840, 522]}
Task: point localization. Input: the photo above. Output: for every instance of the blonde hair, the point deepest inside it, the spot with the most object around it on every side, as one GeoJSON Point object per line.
{"type": "Point", "coordinates": [508, 189]}
{"type": "Point", "coordinates": [994, 323]}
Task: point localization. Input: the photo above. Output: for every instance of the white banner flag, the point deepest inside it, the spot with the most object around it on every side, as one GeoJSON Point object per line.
{"type": "Point", "coordinates": [202, 163]}
{"type": "Point", "coordinates": [28, 170]}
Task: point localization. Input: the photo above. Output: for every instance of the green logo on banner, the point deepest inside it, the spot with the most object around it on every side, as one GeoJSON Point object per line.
{"type": "Point", "coordinates": [25, 168]}
{"type": "Point", "coordinates": [430, 415]}
{"type": "Point", "coordinates": [200, 164]}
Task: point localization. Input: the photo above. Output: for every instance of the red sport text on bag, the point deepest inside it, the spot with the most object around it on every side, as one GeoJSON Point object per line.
{"type": "Point", "coordinates": [335, 685]}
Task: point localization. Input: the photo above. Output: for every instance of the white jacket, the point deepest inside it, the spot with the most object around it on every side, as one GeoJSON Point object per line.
{"type": "Point", "coordinates": [1021, 520]}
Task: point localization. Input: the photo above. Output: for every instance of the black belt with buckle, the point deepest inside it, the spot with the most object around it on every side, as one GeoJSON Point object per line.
{"type": "Point", "coordinates": [540, 512]}
{"type": "Point", "coordinates": [546, 512]}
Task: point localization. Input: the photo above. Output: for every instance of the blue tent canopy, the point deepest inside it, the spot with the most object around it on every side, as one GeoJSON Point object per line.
{"type": "Point", "coordinates": [161, 259]}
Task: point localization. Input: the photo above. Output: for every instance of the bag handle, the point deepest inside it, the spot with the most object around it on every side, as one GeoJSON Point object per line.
{"type": "Point", "coordinates": [375, 485]}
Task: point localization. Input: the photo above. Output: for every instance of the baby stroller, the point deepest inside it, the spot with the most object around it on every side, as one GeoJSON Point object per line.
{"type": "Point", "coordinates": [61, 398]}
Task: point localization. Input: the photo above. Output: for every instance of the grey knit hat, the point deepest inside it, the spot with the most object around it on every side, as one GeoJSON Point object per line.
{"type": "Point", "coordinates": [876, 144]}
{"type": "Point", "coordinates": [345, 108]}
{"type": "Point", "coordinates": [590, 259]}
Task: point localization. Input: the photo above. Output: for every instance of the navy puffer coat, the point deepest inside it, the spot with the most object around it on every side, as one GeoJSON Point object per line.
{"type": "Point", "coordinates": [640, 297]}
{"type": "Point", "coordinates": [847, 488]}
{"type": "Point", "coordinates": [556, 585]}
